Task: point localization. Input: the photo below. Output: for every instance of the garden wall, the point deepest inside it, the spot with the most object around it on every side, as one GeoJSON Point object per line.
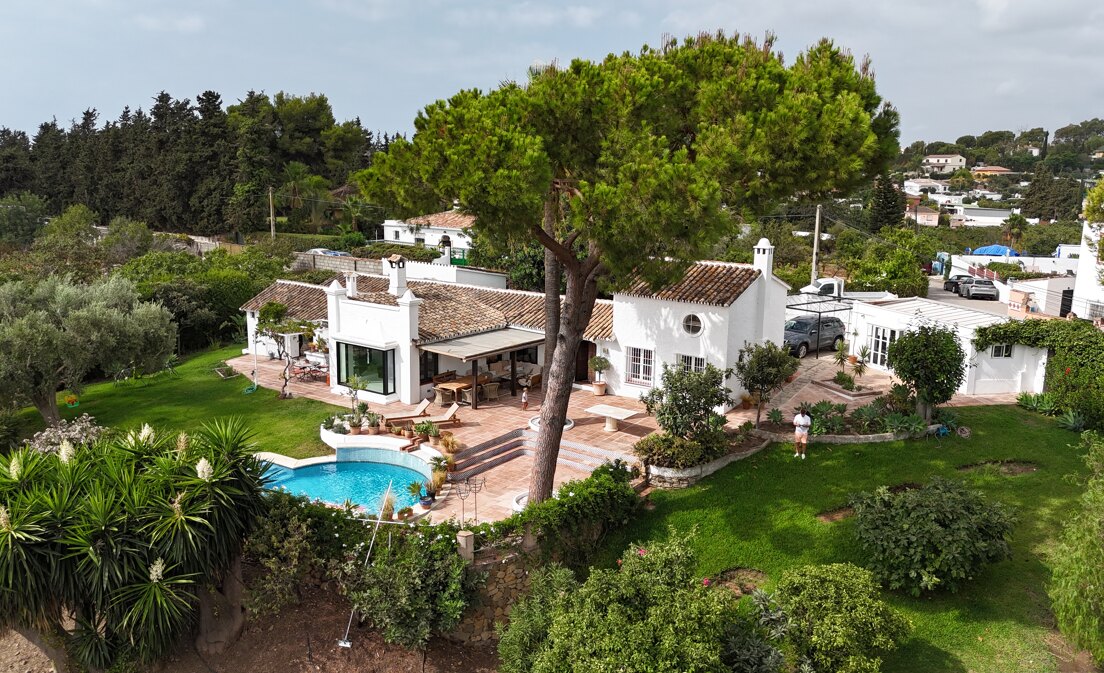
{"type": "Point", "coordinates": [671, 477]}
{"type": "Point", "coordinates": [507, 582]}
{"type": "Point", "coordinates": [304, 262]}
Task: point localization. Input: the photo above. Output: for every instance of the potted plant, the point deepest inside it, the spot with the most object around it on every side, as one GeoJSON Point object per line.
{"type": "Point", "coordinates": [387, 507]}
{"type": "Point", "coordinates": [430, 494]}
{"type": "Point", "coordinates": [449, 443]}
{"type": "Point", "coordinates": [422, 428]}
{"type": "Point", "coordinates": [414, 488]}
{"type": "Point", "coordinates": [396, 430]}
{"type": "Point", "coordinates": [405, 513]}
{"type": "Point", "coordinates": [439, 479]}
{"type": "Point", "coordinates": [354, 424]}
{"type": "Point", "coordinates": [434, 434]}
{"type": "Point", "coordinates": [362, 408]}
{"type": "Point", "coordinates": [745, 401]}
{"type": "Point", "coordinates": [408, 431]}
{"type": "Point", "coordinates": [371, 422]}
{"type": "Point", "coordinates": [438, 464]}
{"type": "Point", "coordinates": [599, 364]}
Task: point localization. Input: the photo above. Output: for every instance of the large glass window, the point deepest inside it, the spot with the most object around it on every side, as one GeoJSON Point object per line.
{"type": "Point", "coordinates": [880, 338]}
{"type": "Point", "coordinates": [374, 368]}
{"type": "Point", "coordinates": [427, 363]}
{"type": "Point", "coordinates": [528, 355]}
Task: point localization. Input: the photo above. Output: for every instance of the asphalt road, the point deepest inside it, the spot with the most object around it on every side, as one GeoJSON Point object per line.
{"type": "Point", "coordinates": [937, 293]}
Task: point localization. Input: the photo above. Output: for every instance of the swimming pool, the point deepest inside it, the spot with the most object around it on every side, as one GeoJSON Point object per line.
{"type": "Point", "coordinates": [362, 483]}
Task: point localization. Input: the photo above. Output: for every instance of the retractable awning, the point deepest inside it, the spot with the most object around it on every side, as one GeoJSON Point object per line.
{"type": "Point", "coordinates": [483, 345]}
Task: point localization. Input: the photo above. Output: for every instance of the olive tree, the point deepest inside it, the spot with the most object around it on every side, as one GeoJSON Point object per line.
{"type": "Point", "coordinates": [54, 333]}
{"type": "Point", "coordinates": [762, 370]}
{"type": "Point", "coordinates": [633, 167]}
{"type": "Point", "coordinates": [931, 362]}
{"type": "Point", "coordinates": [109, 550]}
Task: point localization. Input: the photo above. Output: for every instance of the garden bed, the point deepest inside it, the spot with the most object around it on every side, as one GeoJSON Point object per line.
{"type": "Point", "coordinates": [857, 394]}
{"type": "Point", "coordinates": [674, 477]}
{"type": "Point", "coordinates": [1008, 468]}
{"type": "Point", "coordinates": [837, 439]}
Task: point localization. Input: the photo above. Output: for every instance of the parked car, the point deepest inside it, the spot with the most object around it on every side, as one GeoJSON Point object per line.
{"type": "Point", "coordinates": [981, 289]}
{"type": "Point", "coordinates": [328, 253]}
{"type": "Point", "coordinates": [802, 334]}
{"type": "Point", "coordinates": [951, 284]}
{"type": "Point", "coordinates": [960, 289]}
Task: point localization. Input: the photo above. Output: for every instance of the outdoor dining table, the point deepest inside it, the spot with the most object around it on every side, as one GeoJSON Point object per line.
{"type": "Point", "coordinates": [612, 414]}
{"type": "Point", "coordinates": [461, 383]}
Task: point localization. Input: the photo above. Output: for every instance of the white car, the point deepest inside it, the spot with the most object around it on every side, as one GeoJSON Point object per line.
{"type": "Point", "coordinates": [327, 252]}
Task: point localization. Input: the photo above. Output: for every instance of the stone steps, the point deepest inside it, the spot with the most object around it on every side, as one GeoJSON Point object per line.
{"type": "Point", "coordinates": [492, 453]}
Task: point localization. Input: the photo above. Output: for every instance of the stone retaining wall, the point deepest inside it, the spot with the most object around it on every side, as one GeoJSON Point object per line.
{"type": "Point", "coordinates": [304, 261]}
{"type": "Point", "coordinates": [507, 582]}
{"type": "Point", "coordinates": [671, 477]}
{"type": "Point", "coordinates": [840, 439]}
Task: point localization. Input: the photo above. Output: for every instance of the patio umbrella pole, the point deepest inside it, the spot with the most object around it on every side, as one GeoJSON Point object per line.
{"type": "Point", "coordinates": [345, 642]}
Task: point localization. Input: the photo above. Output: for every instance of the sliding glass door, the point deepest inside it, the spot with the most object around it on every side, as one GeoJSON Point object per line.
{"type": "Point", "coordinates": [374, 368]}
{"type": "Point", "coordinates": [880, 338]}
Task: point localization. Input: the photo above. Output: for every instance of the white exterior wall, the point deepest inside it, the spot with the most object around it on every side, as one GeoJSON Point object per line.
{"type": "Point", "coordinates": [657, 326]}
{"type": "Point", "coordinates": [1088, 293]}
{"type": "Point", "coordinates": [454, 274]}
{"type": "Point", "coordinates": [1023, 372]}
{"type": "Point", "coordinates": [1046, 292]}
{"type": "Point", "coordinates": [398, 230]}
{"type": "Point", "coordinates": [373, 326]}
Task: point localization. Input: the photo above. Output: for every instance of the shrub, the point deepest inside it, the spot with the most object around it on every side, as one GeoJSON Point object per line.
{"type": "Point", "coordinates": [416, 253]}
{"type": "Point", "coordinates": [763, 369]}
{"type": "Point", "coordinates": [9, 429]}
{"type": "Point", "coordinates": [1072, 420]}
{"type": "Point", "coordinates": [667, 450]}
{"type": "Point", "coordinates": [531, 618]}
{"type": "Point", "coordinates": [79, 431]}
{"type": "Point", "coordinates": [946, 418]}
{"type": "Point", "coordinates": [1048, 404]}
{"type": "Point", "coordinates": [351, 240]}
{"type": "Point", "coordinates": [899, 399]}
{"type": "Point", "coordinates": [686, 402]}
{"type": "Point", "coordinates": [651, 614]}
{"type": "Point", "coordinates": [931, 362]}
{"type": "Point", "coordinates": [844, 380]}
{"type": "Point", "coordinates": [775, 416]}
{"type": "Point", "coordinates": [1077, 588]}
{"type": "Point", "coordinates": [1029, 401]}
{"type": "Point", "coordinates": [936, 536]}
{"type": "Point", "coordinates": [868, 418]}
{"type": "Point", "coordinates": [837, 620]}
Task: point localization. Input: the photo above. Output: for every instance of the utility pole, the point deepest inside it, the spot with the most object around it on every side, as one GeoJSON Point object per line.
{"type": "Point", "coordinates": [816, 247]}
{"type": "Point", "coordinates": [271, 214]}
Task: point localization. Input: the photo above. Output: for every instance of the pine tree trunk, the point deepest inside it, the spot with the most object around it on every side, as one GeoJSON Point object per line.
{"type": "Point", "coordinates": [47, 406]}
{"type": "Point", "coordinates": [578, 305]}
{"type": "Point", "coordinates": [552, 274]}
{"type": "Point", "coordinates": [222, 613]}
{"type": "Point", "coordinates": [52, 646]}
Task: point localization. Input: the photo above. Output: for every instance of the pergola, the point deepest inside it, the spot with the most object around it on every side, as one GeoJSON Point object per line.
{"type": "Point", "coordinates": [819, 305]}
{"type": "Point", "coordinates": [474, 347]}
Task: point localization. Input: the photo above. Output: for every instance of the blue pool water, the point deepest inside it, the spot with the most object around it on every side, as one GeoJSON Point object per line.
{"type": "Point", "coordinates": [361, 483]}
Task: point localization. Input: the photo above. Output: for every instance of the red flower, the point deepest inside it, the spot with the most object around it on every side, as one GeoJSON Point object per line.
{"type": "Point", "coordinates": [641, 552]}
{"type": "Point", "coordinates": [1067, 371]}
{"type": "Point", "coordinates": [619, 562]}
{"type": "Point", "coordinates": [705, 581]}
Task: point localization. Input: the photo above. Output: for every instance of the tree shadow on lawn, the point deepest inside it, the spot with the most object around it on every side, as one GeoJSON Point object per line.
{"type": "Point", "coordinates": [918, 654]}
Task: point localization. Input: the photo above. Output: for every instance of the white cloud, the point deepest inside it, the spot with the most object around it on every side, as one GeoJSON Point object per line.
{"type": "Point", "coordinates": [373, 11]}
{"type": "Point", "coordinates": [188, 23]}
{"type": "Point", "coordinates": [1007, 87]}
{"type": "Point", "coordinates": [527, 15]}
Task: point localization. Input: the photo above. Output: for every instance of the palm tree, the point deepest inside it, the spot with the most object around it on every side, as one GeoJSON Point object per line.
{"type": "Point", "coordinates": [127, 537]}
{"type": "Point", "coordinates": [1013, 229]}
{"type": "Point", "coordinates": [302, 189]}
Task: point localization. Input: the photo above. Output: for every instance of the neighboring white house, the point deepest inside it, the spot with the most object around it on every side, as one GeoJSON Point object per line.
{"type": "Point", "coordinates": [917, 186]}
{"type": "Point", "coordinates": [397, 334]}
{"type": "Point", "coordinates": [942, 163]}
{"type": "Point", "coordinates": [972, 216]}
{"type": "Point", "coordinates": [1088, 292]}
{"type": "Point", "coordinates": [448, 229]}
{"type": "Point", "coordinates": [1003, 368]}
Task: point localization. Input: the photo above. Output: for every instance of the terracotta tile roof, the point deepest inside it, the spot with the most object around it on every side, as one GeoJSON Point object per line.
{"type": "Point", "coordinates": [450, 219]}
{"type": "Point", "coordinates": [450, 310]}
{"type": "Point", "coordinates": [304, 301]}
{"type": "Point", "coordinates": [991, 169]}
{"type": "Point", "coordinates": [714, 283]}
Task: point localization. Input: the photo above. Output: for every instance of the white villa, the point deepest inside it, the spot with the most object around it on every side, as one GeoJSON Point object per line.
{"type": "Point", "coordinates": [1088, 292]}
{"type": "Point", "coordinates": [447, 231]}
{"type": "Point", "coordinates": [397, 333]}
{"type": "Point", "coordinates": [942, 163]}
{"type": "Point", "coordinates": [1003, 368]}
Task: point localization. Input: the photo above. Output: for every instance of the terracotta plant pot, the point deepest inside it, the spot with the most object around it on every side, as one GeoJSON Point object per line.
{"type": "Point", "coordinates": [599, 388]}
{"type": "Point", "coordinates": [409, 434]}
{"type": "Point", "coordinates": [373, 429]}
{"type": "Point", "coordinates": [434, 441]}
{"type": "Point", "coordinates": [852, 358]}
{"type": "Point", "coordinates": [354, 430]}
{"type": "Point", "coordinates": [745, 404]}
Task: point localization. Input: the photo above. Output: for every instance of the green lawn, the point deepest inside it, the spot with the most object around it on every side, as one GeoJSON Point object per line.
{"type": "Point", "coordinates": [761, 513]}
{"type": "Point", "coordinates": [196, 396]}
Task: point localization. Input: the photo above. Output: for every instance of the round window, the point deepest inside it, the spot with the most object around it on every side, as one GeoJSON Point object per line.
{"type": "Point", "coordinates": [692, 324]}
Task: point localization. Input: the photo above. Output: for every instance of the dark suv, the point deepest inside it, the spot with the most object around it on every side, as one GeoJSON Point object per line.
{"type": "Point", "coordinates": [951, 284]}
{"type": "Point", "coordinates": [802, 334]}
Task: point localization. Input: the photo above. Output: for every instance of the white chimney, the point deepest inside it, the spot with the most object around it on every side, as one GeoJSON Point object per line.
{"type": "Point", "coordinates": [764, 257]}
{"type": "Point", "coordinates": [396, 274]}
{"type": "Point", "coordinates": [350, 285]}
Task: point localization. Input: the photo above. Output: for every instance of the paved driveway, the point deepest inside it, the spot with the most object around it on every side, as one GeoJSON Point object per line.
{"type": "Point", "coordinates": [937, 293]}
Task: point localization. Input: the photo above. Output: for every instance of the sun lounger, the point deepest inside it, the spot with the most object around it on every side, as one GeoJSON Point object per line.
{"type": "Point", "coordinates": [447, 417]}
{"type": "Point", "coordinates": [419, 411]}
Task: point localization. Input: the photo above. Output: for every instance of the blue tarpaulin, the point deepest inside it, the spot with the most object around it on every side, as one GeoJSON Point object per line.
{"type": "Point", "coordinates": [996, 251]}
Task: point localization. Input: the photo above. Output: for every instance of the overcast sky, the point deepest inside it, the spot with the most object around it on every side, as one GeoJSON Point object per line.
{"type": "Point", "coordinates": [951, 67]}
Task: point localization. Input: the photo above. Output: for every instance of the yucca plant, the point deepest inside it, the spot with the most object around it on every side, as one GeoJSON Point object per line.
{"type": "Point", "coordinates": [129, 536]}
{"type": "Point", "coordinates": [1072, 420]}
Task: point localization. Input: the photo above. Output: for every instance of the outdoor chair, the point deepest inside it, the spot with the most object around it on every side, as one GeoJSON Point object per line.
{"type": "Point", "coordinates": [490, 391]}
{"type": "Point", "coordinates": [417, 414]}
{"type": "Point", "coordinates": [445, 396]}
{"type": "Point", "coordinates": [447, 417]}
{"type": "Point", "coordinates": [466, 395]}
